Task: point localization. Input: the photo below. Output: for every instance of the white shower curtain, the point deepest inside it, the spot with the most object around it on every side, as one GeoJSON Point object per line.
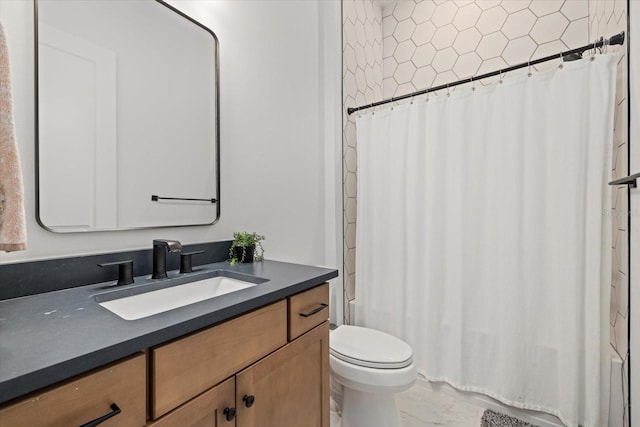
{"type": "Point", "coordinates": [483, 239]}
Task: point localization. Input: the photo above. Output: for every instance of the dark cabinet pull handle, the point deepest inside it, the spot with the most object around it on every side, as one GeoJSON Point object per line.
{"type": "Point", "coordinates": [230, 413]}
{"type": "Point", "coordinates": [315, 310]}
{"type": "Point", "coordinates": [248, 400]}
{"type": "Point", "coordinates": [114, 411]}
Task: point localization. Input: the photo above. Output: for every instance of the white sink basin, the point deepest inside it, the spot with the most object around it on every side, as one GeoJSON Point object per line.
{"type": "Point", "coordinates": [149, 303]}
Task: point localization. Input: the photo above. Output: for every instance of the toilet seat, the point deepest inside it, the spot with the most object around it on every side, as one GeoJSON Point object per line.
{"type": "Point", "coordinates": [369, 348]}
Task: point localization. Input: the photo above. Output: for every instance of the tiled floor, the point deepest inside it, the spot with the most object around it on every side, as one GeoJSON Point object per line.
{"type": "Point", "coordinates": [420, 407]}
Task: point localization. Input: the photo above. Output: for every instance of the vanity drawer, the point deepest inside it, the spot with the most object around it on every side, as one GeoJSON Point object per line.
{"type": "Point", "coordinates": [188, 366]}
{"type": "Point", "coordinates": [307, 310]}
{"type": "Point", "coordinates": [87, 398]}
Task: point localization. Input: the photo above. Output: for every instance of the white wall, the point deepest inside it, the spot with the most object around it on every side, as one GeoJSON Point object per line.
{"type": "Point", "coordinates": [278, 141]}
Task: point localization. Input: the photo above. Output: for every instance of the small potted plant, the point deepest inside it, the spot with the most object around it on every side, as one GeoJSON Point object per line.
{"type": "Point", "coordinates": [246, 247]}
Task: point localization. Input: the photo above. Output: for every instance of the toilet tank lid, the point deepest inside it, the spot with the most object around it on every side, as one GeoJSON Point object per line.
{"type": "Point", "coordinates": [370, 345]}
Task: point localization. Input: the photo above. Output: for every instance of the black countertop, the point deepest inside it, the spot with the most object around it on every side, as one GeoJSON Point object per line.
{"type": "Point", "coordinates": [50, 337]}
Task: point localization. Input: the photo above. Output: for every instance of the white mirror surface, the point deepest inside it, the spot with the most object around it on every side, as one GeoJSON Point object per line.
{"type": "Point", "coordinates": [127, 108]}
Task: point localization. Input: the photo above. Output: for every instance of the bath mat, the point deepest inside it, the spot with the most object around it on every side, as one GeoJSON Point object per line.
{"type": "Point", "coordinates": [495, 419]}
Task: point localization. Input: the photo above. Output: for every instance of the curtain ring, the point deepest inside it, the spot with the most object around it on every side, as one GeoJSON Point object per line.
{"type": "Point", "coordinates": [561, 59]}
{"type": "Point", "coordinates": [473, 84]}
{"type": "Point", "coordinates": [448, 93]}
{"type": "Point", "coordinates": [501, 77]}
{"type": "Point", "coordinates": [529, 65]}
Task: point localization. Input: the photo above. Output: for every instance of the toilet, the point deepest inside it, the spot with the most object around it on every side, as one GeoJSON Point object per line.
{"type": "Point", "coordinates": [371, 366]}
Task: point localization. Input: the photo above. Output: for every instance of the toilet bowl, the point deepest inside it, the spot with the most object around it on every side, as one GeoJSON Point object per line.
{"type": "Point", "coordinates": [372, 366]}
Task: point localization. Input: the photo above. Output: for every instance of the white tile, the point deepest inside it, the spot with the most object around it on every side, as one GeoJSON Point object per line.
{"type": "Point", "coordinates": [389, 45]}
{"type": "Point", "coordinates": [388, 10]}
{"type": "Point", "coordinates": [388, 26]}
{"type": "Point", "coordinates": [491, 20]}
{"type": "Point", "coordinates": [575, 9]}
{"type": "Point", "coordinates": [389, 86]}
{"type": "Point", "coordinates": [368, 29]}
{"type": "Point", "coordinates": [361, 36]}
{"type": "Point", "coordinates": [444, 78]}
{"type": "Point", "coordinates": [350, 83]}
{"type": "Point", "coordinates": [405, 72]}
{"type": "Point", "coordinates": [404, 9]}
{"type": "Point", "coordinates": [351, 209]}
{"type": "Point", "coordinates": [350, 185]}
{"type": "Point", "coordinates": [444, 13]}
{"type": "Point", "coordinates": [492, 45]}
{"type": "Point", "coordinates": [368, 10]}
{"type": "Point", "coordinates": [608, 9]}
{"type": "Point", "coordinates": [621, 329]}
{"type": "Point", "coordinates": [444, 36]}
{"type": "Point", "coordinates": [368, 54]}
{"type": "Point", "coordinates": [545, 7]}
{"type": "Point", "coordinates": [512, 6]}
{"type": "Point", "coordinates": [350, 34]}
{"type": "Point", "coordinates": [361, 80]}
{"type": "Point", "coordinates": [467, 65]}
{"type": "Point", "coordinates": [361, 58]}
{"type": "Point", "coordinates": [371, 81]}
{"type": "Point", "coordinates": [424, 33]}
{"type": "Point", "coordinates": [613, 307]}
{"type": "Point", "coordinates": [349, 10]}
{"type": "Point", "coordinates": [488, 4]}
{"type": "Point", "coordinates": [519, 50]}
{"type": "Point", "coordinates": [360, 12]}
{"type": "Point", "coordinates": [423, 78]}
{"type": "Point", "coordinates": [423, 55]}
{"type": "Point", "coordinates": [404, 51]}
{"type": "Point", "coordinates": [467, 41]}
{"type": "Point", "coordinates": [404, 89]}
{"type": "Point", "coordinates": [519, 24]}
{"type": "Point", "coordinates": [423, 11]}
{"type": "Point", "coordinates": [350, 59]}
{"type": "Point", "coordinates": [389, 66]}
{"type": "Point", "coordinates": [577, 33]}
{"type": "Point", "coordinates": [420, 407]}
{"type": "Point", "coordinates": [467, 16]}
{"type": "Point", "coordinates": [549, 28]}
{"type": "Point", "coordinates": [620, 9]}
{"type": "Point", "coordinates": [444, 60]}
{"type": "Point", "coordinates": [350, 236]}
{"type": "Point", "coordinates": [404, 30]}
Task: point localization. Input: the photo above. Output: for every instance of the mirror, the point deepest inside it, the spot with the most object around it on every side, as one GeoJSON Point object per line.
{"type": "Point", "coordinates": [127, 108]}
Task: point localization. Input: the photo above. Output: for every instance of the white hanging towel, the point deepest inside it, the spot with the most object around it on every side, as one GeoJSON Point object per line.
{"type": "Point", "coordinates": [13, 233]}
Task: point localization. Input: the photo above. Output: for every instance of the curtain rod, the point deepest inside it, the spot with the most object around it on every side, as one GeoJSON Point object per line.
{"type": "Point", "coordinates": [617, 39]}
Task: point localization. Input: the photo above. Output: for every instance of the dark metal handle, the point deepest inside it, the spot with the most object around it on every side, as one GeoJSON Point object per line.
{"type": "Point", "coordinates": [248, 400]}
{"type": "Point", "coordinates": [186, 266]}
{"type": "Point", "coordinates": [627, 180]}
{"type": "Point", "coordinates": [229, 413]}
{"type": "Point", "coordinates": [315, 310]}
{"type": "Point", "coordinates": [155, 198]}
{"type": "Point", "coordinates": [114, 411]}
{"type": "Point", "coordinates": [125, 271]}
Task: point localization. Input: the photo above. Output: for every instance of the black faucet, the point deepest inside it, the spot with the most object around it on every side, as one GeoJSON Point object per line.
{"type": "Point", "coordinates": [160, 256]}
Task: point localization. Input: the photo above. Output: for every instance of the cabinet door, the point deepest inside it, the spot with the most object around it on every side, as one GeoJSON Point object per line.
{"type": "Point", "coordinates": [213, 408]}
{"type": "Point", "coordinates": [290, 387]}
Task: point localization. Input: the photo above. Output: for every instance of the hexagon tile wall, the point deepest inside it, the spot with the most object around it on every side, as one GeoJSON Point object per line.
{"type": "Point", "coordinates": [392, 48]}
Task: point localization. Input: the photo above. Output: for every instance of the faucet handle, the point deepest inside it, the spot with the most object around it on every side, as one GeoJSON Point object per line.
{"type": "Point", "coordinates": [125, 271]}
{"type": "Point", "coordinates": [185, 261]}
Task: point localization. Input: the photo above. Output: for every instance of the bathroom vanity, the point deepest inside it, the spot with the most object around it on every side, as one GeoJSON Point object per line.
{"type": "Point", "coordinates": [256, 357]}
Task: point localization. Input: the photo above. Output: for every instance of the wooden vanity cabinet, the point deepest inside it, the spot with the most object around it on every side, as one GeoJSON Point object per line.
{"type": "Point", "coordinates": [265, 368]}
